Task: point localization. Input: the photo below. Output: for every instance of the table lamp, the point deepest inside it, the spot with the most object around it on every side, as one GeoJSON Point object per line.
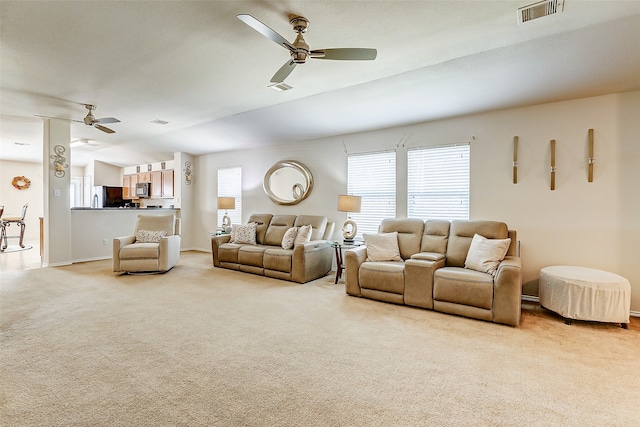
{"type": "Point", "coordinates": [226, 203]}
{"type": "Point", "coordinates": [349, 204]}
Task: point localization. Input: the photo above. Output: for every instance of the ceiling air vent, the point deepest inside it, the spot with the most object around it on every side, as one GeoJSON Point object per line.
{"type": "Point", "coordinates": [539, 10]}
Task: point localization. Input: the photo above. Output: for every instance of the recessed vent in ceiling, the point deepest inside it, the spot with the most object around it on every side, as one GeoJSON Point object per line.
{"type": "Point", "coordinates": [539, 10]}
{"type": "Point", "coordinates": [159, 122]}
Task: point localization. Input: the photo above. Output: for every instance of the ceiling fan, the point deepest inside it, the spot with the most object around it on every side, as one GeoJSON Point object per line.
{"type": "Point", "coordinates": [299, 49]}
{"type": "Point", "coordinates": [90, 120]}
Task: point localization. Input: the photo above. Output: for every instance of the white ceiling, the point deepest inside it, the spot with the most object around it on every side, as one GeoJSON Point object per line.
{"type": "Point", "coordinates": [193, 64]}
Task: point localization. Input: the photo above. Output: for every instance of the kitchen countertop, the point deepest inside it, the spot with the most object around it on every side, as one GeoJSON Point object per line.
{"type": "Point", "coordinates": [121, 209]}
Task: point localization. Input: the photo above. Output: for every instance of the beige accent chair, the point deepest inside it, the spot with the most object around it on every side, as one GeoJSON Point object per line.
{"type": "Point", "coordinates": [432, 273]}
{"type": "Point", "coordinates": [131, 256]}
{"type": "Point", "coordinates": [305, 262]}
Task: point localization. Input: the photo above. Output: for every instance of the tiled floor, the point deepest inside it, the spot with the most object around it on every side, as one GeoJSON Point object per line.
{"type": "Point", "coordinates": [21, 260]}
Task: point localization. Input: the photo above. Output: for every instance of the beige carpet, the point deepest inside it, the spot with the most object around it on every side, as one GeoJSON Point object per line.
{"type": "Point", "coordinates": [200, 346]}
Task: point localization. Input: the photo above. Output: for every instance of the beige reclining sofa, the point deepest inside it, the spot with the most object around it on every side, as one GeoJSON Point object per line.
{"type": "Point", "coordinates": [304, 262]}
{"type": "Point", "coordinates": [431, 272]}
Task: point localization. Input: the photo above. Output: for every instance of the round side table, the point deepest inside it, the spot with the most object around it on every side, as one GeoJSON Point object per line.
{"type": "Point", "coordinates": [582, 293]}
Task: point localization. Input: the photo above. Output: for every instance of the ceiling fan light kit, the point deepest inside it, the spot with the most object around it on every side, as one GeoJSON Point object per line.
{"type": "Point", "coordinates": [300, 50]}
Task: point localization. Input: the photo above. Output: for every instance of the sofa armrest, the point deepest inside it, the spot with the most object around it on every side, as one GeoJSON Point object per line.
{"type": "Point", "coordinates": [310, 261]}
{"type": "Point", "coordinates": [418, 279]}
{"type": "Point", "coordinates": [507, 293]}
{"type": "Point", "coordinates": [428, 256]}
{"type": "Point", "coordinates": [216, 241]}
{"type": "Point", "coordinates": [169, 252]}
{"type": "Point", "coordinates": [353, 258]}
{"type": "Point", "coordinates": [119, 243]}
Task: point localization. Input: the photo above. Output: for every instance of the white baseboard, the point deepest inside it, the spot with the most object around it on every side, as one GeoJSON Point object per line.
{"type": "Point", "coordinates": [98, 258]}
{"type": "Point", "coordinates": [532, 298]}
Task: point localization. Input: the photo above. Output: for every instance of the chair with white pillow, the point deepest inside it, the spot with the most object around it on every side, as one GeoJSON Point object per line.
{"type": "Point", "coordinates": [153, 248]}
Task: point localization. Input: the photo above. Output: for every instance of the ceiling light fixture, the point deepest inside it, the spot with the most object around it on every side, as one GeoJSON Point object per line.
{"type": "Point", "coordinates": [280, 87]}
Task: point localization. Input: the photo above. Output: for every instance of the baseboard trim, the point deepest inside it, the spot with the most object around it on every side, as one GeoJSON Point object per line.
{"type": "Point", "coordinates": [98, 258]}
{"type": "Point", "coordinates": [532, 298]}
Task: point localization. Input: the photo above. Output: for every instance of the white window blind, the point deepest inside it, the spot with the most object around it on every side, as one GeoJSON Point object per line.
{"type": "Point", "coordinates": [438, 182]}
{"type": "Point", "coordinates": [230, 185]}
{"type": "Point", "coordinates": [372, 176]}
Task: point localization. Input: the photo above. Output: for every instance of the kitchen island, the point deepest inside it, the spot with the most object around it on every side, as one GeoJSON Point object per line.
{"type": "Point", "coordinates": [93, 229]}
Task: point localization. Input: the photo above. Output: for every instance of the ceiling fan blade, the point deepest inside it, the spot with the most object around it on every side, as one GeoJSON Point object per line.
{"type": "Point", "coordinates": [107, 120]}
{"type": "Point", "coordinates": [104, 129]}
{"type": "Point", "coordinates": [348, 54]}
{"type": "Point", "coordinates": [265, 31]}
{"type": "Point", "coordinates": [283, 72]}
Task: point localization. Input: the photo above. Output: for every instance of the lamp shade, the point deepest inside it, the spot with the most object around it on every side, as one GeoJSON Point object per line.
{"type": "Point", "coordinates": [348, 203]}
{"type": "Point", "coordinates": [226, 202]}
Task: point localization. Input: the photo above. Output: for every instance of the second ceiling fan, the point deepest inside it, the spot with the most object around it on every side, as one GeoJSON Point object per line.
{"type": "Point", "coordinates": [299, 49]}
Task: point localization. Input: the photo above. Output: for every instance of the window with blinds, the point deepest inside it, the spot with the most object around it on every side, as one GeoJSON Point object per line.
{"type": "Point", "coordinates": [438, 182]}
{"type": "Point", "coordinates": [230, 185]}
{"type": "Point", "coordinates": [372, 176]}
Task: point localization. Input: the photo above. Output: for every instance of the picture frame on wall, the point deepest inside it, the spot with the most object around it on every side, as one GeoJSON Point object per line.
{"type": "Point", "coordinates": [138, 169]}
{"type": "Point", "coordinates": [163, 165]}
{"type": "Point", "coordinates": [149, 167]}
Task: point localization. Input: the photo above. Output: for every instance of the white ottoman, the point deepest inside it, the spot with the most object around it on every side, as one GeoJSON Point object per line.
{"type": "Point", "coordinates": [585, 294]}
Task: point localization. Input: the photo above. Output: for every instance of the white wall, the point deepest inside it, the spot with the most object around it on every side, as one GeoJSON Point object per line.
{"type": "Point", "coordinates": [13, 199]}
{"type": "Point", "coordinates": [590, 224]}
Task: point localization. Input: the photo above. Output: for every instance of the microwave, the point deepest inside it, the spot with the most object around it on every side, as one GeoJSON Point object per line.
{"type": "Point", "coordinates": [142, 189]}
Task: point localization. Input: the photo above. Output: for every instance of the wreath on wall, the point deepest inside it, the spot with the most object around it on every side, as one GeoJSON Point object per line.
{"type": "Point", "coordinates": [21, 182]}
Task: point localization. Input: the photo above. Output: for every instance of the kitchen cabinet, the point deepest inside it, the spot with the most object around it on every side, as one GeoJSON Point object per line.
{"type": "Point", "coordinates": [162, 184]}
{"type": "Point", "coordinates": [144, 177]}
{"type": "Point", "coordinates": [129, 186]}
{"type": "Point", "coordinates": [167, 183]}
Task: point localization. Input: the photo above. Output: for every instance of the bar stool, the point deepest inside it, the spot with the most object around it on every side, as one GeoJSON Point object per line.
{"type": "Point", "coordinates": [2, 229]}
{"type": "Point", "coordinates": [19, 221]}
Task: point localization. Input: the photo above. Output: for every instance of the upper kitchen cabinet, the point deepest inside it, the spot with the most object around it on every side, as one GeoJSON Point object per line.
{"type": "Point", "coordinates": [162, 184]}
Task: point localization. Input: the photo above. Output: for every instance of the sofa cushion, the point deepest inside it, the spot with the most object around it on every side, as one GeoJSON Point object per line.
{"type": "Point", "coordinates": [164, 223]}
{"type": "Point", "coordinates": [149, 236]}
{"type": "Point", "coordinates": [382, 276]}
{"type": "Point", "coordinates": [461, 234]}
{"type": "Point", "coordinates": [485, 254]}
{"type": "Point", "coordinates": [277, 228]}
{"type": "Point", "coordinates": [289, 238]}
{"type": "Point", "coordinates": [262, 223]}
{"type": "Point", "coordinates": [228, 252]}
{"type": "Point", "coordinates": [251, 255]}
{"type": "Point", "coordinates": [317, 223]}
{"type": "Point", "coordinates": [462, 286]}
{"type": "Point", "coordinates": [409, 234]}
{"type": "Point", "coordinates": [244, 233]}
{"type": "Point", "coordinates": [382, 247]}
{"type": "Point", "coordinates": [303, 236]}
{"type": "Point", "coordinates": [436, 236]}
{"type": "Point", "coordinates": [277, 259]}
{"type": "Point", "coordinates": [140, 250]}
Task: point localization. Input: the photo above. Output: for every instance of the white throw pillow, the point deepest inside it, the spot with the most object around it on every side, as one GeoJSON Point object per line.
{"type": "Point", "coordinates": [244, 233]}
{"type": "Point", "coordinates": [485, 254]}
{"type": "Point", "coordinates": [382, 247]}
{"type": "Point", "coordinates": [304, 235]}
{"type": "Point", "coordinates": [149, 236]}
{"type": "Point", "coordinates": [289, 238]}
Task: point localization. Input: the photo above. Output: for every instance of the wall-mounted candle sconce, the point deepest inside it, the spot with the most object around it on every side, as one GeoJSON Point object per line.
{"type": "Point", "coordinates": [188, 175]}
{"type": "Point", "coordinates": [59, 160]}
{"type": "Point", "coordinates": [591, 158]}
{"type": "Point", "coordinates": [553, 164]}
{"type": "Point", "coordinates": [515, 159]}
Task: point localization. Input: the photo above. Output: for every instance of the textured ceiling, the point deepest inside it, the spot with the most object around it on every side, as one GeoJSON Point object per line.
{"type": "Point", "coordinates": [196, 66]}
